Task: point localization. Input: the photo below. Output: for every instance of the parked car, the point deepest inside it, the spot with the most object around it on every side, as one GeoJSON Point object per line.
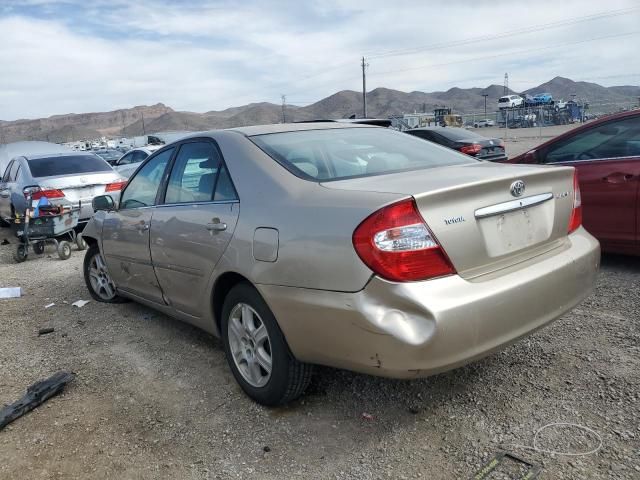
{"type": "Point", "coordinates": [351, 246]}
{"type": "Point", "coordinates": [510, 101]}
{"type": "Point", "coordinates": [109, 155]}
{"type": "Point", "coordinates": [465, 141]}
{"type": "Point", "coordinates": [542, 98]}
{"type": "Point", "coordinates": [485, 122]}
{"type": "Point", "coordinates": [128, 162]}
{"type": "Point", "coordinates": [68, 179]}
{"type": "Point", "coordinates": [606, 156]}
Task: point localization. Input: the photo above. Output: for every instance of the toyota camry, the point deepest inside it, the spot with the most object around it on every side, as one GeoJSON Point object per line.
{"type": "Point", "coordinates": [352, 246]}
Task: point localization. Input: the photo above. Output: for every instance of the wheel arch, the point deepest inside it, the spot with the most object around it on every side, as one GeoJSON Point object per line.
{"type": "Point", "coordinates": [222, 286]}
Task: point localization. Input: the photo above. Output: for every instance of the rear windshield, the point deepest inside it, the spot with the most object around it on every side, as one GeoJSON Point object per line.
{"type": "Point", "coordinates": [459, 133]}
{"type": "Point", "coordinates": [353, 152]}
{"type": "Point", "coordinates": [67, 165]}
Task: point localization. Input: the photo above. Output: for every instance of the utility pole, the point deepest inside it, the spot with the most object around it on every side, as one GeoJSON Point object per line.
{"type": "Point", "coordinates": [122, 116]}
{"type": "Point", "coordinates": [364, 88]}
{"type": "Point", "coordinates": [144, 130]}
{"type": "Point", "coordinates": [485, 95]}
{"type": "Point", "coordinates": [284, 105]}
{"type": "Point", "coordinates": [506, 84]}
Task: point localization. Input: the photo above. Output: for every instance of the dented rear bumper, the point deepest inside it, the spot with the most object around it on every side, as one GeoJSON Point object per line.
{"type": "Point", "coordinates": [414, 329]}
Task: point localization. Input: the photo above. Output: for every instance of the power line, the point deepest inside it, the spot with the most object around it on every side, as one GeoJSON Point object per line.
{"type": "Point", "coordinates": [515, 52]}
{"type": "Point", "coordinates": [510, 33]}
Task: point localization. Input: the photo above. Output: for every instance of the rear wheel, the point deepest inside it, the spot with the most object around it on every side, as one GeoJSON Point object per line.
{"type": "Point", "coordinates": [97, 278]}
{"type": "Point", "coordinates": [257, 351]}
{"type": "Point", "coordinates": [64, 250]}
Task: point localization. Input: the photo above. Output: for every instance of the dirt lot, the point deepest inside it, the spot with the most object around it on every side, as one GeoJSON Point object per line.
{"type": "Point", "coordinates": [519, 140]}
{"type": "Point", "coordinates": [153, 398]}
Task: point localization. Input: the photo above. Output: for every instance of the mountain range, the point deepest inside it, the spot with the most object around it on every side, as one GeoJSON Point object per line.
{"type": "Point", "coordinates": [381, 103]}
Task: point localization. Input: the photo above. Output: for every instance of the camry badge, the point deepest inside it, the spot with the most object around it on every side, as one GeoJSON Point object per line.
{"type": "Point", "coordinates": [517, 188]}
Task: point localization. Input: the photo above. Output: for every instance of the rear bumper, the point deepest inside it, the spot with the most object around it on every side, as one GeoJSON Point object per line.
{"type": "Point", "coordinates": [415, 329]}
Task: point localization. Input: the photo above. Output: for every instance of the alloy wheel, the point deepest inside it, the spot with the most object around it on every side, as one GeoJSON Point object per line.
{"type": "Point", "coordinates": [100, 280]}
{"type": "Point", "coordinates": [250, 345]}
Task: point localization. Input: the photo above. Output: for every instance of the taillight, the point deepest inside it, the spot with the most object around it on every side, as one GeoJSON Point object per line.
{"type": "Point", "coordinates": [116, 186]}
{"type": "Point", "coordinates": [471, 149]}
{"type": "Point", "coordinates": [576, 213]}
{"type": "Point", "coordinates": [37, 193]}
{"type": "Point", "coordinates": [397, 245]}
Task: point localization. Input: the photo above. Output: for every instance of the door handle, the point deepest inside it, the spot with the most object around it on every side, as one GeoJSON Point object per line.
{"type": "Point", "coordinates": [142, 227]}
{"type": "Point", "coordinates": [216, 226]}
{"type": "Point", "coordinates": [618, 177]}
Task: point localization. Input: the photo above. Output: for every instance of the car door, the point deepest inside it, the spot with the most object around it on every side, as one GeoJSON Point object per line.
{"type": "Point", "coordinates": [5, 192]}
{"type": "Point", "coordinates": [192, 228]}
{"type": "Point", "coordinates": [607, 158]}
{"type": "Point", "coordinates": [125, 234]}
{"type": "Point", "coordinates": [10, 193]}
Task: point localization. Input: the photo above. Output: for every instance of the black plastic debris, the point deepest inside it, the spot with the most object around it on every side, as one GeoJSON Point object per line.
{"type": "Point", "coordinates": [44, 331]}
{"type": "Point", "coordinates": [36, 395]}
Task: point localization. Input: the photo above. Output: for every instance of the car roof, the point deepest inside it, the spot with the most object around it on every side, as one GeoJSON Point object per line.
{"type": "Point", "coordinates": [70, 153]}
{"type": "Point", "coordinates": [295, 127]}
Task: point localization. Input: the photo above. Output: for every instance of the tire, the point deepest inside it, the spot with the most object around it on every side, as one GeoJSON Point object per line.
{"type": "Point", "coordinates": [244, 313]}
{"type": "Point", "coordinates": [38, 248]}
{"type": "Point", "coordinates": [80, 243]}
{"type": "Point", "coordinates": [64, 250]}
{"type": "Point", "coordinates": [95, 270]}
{"type": "Point", "coordinates": [21, 253]}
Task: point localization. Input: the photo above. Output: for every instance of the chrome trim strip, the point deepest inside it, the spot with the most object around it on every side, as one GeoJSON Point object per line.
{"type": "Point", "coordinates": [513, 205]}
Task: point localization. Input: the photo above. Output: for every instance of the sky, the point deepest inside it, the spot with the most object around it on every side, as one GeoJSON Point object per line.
{"type": "Point", "coordinates": [75, 56]}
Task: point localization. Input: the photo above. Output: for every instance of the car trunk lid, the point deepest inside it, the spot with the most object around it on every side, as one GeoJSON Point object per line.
{"type": "Point", "coordinates": [479, 223]}
{"type": "Point", "coordinates": [79, 188]}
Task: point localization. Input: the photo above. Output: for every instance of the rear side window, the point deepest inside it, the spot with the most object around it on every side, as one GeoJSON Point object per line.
{"type": "Point", "coordinates": [199, 175]}
{"type": "Point", "coordinates": [67, 165]}
{"type": "Point", "coordinates": [334, 154]}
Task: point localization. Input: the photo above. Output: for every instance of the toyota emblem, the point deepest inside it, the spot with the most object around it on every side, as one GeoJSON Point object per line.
{"type": "Point", "coordinates": [517, 188]}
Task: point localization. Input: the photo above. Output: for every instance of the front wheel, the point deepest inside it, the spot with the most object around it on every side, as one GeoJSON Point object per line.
{"type": "Point", "coordinates": [20, 254]}
{"type": "Point", "coordinates": [257, 351]}
{"type": "Point", "coordinates": [97, 278]}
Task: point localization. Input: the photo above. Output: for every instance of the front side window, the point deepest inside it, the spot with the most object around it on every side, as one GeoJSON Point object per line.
{"type": "Point", "coordinates": [199, 175]}
{"type": "Point", "coordinates": [126, 159]}
{"type": "Point", "coordinates": [7, 172]}
{"type": "Point", "coordinates": [334, 154]}
{"type": "Point", "coordinates": [616, 139]}
{"type": "Point", "coordinates": [142, 189]}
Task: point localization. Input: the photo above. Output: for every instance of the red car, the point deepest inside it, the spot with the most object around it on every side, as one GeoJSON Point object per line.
{"type": "Point", "coordinates": [606, 154]}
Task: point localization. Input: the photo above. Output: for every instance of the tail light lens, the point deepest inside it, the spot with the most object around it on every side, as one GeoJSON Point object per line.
{"type": "Point", "coordinates": [576, 214]}
{"type": "Point", "coordinates": [37, 193]}
{"type": "Point", "coordinates": [116, 186]}
{"type": "Point", "coordinates": [472, 149]}
{"type": "Point", "coordinates": [397, 245]}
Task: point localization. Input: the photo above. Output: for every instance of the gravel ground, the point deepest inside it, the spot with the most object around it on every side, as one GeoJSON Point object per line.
{"type": "Point", "coordinates": [153, 397]}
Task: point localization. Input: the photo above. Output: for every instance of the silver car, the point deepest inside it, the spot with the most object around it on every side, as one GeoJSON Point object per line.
{"type": "Point", "coordinates": [351, 246]}
{"type": "Point", "coordinates": [68, 179]}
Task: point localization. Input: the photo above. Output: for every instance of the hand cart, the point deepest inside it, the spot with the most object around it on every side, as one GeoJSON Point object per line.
{"type": "Point", "coordinates": [35, 232]}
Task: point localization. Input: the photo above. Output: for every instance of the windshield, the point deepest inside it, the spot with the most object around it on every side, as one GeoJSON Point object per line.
{"type": "Point", "coordinates": [67, 165]}
{"type": "Point", "coordinates": [353, 152]}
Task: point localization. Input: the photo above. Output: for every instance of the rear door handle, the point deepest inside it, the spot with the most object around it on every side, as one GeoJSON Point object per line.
{"type": "Point", "coordinates": [618, 177]}
{"type": "Point", "coordinates": [142, 227]}
{"type": "Point", "coordinates": [216, 226]}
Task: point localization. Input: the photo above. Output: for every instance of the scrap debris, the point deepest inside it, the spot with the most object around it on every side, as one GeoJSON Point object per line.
{"type": "Point", "coordinates": [50, 305]}
{"type": "Point", "coordinates": [10, 292]}
{"type": "Point", "coordinates": [44, 331]}
{"type": "Point", "coordinates": [36, 395]}
{"type": "Point", "coordinates": [80, 303]}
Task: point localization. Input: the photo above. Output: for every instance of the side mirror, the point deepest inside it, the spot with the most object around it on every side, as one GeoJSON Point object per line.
{"type": "Point", "coordinates": [531, 157]}
{"type": "Point", "coordinates": [103, 202]}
